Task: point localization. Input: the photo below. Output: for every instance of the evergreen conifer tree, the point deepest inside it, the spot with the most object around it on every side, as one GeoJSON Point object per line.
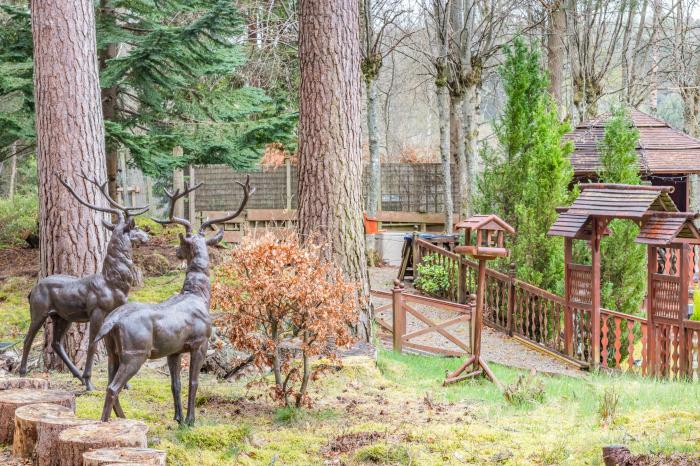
{"type": "Point", "coordinates": [169, 78]}
{"type": "Point", "coordinates": [623, 262]}
{"type": "Point", "coordinates": [527, 176]}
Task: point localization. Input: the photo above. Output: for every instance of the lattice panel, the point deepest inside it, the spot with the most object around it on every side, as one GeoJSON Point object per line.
{"type": "Point", "coordinates": [665, 293]}
{"type": "Point", "coordinates": [580, 285]}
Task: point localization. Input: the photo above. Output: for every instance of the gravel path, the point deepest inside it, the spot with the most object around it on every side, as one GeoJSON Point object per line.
{"type": "Point", "coordinates": [496, 346]}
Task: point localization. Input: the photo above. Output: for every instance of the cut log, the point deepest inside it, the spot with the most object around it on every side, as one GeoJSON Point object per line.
{"type": "Point", "coordinates": [9, 383]}
{"type": "Point", "coordinates": [105, 456]}
{"type": "Point", "coordinates": [47, 433]}
{"type": "Point", "coordinates": [10, 400]}
{"type": "Point", "coordinates": [74, 442]}
{"type": "Point", "coordinates": [26, 418]}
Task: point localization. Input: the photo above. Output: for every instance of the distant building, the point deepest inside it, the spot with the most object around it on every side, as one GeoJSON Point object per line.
{"type": "Point", "coordinates": [667, 156]}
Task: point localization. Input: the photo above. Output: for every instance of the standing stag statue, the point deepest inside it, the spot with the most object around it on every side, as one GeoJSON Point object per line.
{"type": "Point", "coordinates": [136, 332]}
{"type": "Point", "coordinates": [67, 299]}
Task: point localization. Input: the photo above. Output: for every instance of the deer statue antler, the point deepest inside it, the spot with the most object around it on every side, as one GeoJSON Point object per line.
{"type": "Point", "coordinates": [107, 210]}
{"type": "Point", "coordinates": [247, 192]}
{"type": "Point", "coordinates": [128, 211]}
{"type": "Point", "coordinates": [173, 197]}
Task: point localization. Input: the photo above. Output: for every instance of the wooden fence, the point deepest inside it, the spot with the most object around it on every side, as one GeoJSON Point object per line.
{"type": "Point", "coordinates": [421, 324]}
{"type": "Point", "coordinates": [550, 322]}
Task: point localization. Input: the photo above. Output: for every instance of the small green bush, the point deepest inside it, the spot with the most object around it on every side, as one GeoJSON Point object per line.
{"type": "Point", "coordinates": [214, 437]}
{"type": "Point", "coordinates": [433, 277]}
{"type": "Point", "coordinates": [383, 453]}
{"type": "Point", "coordinates": [18, 219]}
{"type": "Point", "coordinates": [696, 304]}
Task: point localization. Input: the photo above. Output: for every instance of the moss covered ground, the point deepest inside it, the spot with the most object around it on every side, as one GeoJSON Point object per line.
{"type": "Point", "coordinates": [395, 411]}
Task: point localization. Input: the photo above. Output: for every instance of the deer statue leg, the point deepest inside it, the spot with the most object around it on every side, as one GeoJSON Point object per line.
{"type": "Point", "coordinates": [112, 367]}
{"type": "Point", "coordinates": [175, 385]}
{"type": "Point", "coordinates": [128, 367]}
{"type": "Point", "coordinates": [196, 361]}
{"type": "Point", "coordinates": [28, 340]}
{"type": "Point", "coordinates": [60, 326]}
{"type": "Point", "coordinates": [96, 319]}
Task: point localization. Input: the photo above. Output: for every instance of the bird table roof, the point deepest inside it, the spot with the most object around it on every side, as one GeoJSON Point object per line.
{"type": "Point", "coordinates": [660, 149]}
{"type": "Point", "coordinates": [485, 222]}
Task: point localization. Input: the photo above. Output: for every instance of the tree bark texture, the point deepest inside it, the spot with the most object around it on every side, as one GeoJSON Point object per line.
{"type": "Point", "coordinates": [109, 112]}
{"type": "Point", "coordinates": [13, 170]}
{"type": "Point", "coordinates": [75, 441]}
{"type": "Point", "coordinates": [458, 154]}
{"type": "Point", "coordinates": [70, 140]}
{"type": "Point", "coordinates": [26, 419]}
{"type": "Point", "coordinates": [443, 101]}
{"type": "Point", "coordinates": [10, 400]}
{"type": "Point", "coordinates": [556, 50]}
{"type": "Point", "coordinates": [330, 158]}
{"type": "Point", "coordinates": [374, 190]}
{"type": "Point", "coordinates": [471, 109]}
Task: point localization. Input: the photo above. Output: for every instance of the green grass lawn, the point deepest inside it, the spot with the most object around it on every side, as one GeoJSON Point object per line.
{"type": "Point", "coordinates": [395, 411]}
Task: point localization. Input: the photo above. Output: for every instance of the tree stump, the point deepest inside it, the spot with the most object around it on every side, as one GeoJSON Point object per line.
{"type": "Point", "coordinates": [10, 400]}
{"type": "Point", "coordinates": [10, 383]}
{"type": "Point", "coordinates": [48, 431]}
{"type": "Point", "coordinates": [73, 442]}
{"type": "Point", "coordinates": [26, 419]}
{"type": "Point", "coordinates": [105, 456]}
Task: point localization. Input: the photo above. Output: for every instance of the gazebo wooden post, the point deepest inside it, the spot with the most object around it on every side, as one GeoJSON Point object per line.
{"type": "Point", "coordinates": [683, 310]}
{"type": "Point", "coordinates": [595, 291]}
{"type": "Point", "coordinates": [568, 316]}
{"type": "Point", "coordinates": [651, 331]}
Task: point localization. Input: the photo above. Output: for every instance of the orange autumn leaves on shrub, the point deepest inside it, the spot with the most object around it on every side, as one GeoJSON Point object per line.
{"type": "Point", "coordinates": [284, 304]}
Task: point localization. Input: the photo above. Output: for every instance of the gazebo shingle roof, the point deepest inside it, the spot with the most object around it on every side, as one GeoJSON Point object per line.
{"type": "Point", "coordinates": [661, 149]}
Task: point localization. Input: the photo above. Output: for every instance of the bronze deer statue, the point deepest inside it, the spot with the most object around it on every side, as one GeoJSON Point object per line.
{"type": "Point", "coordinates": [136, 332]}
{"type": "Point", "coordinates": [69, 299]}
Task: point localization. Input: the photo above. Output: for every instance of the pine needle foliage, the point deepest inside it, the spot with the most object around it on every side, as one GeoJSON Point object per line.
{"type": "Point", "coordinates": [623, 262]}
{"type": "Point", "coordinates": [527, 176]}
{"type": "Point", "coordinates": [180, 73]}
{"type": "Point", "coordinates": [16, 89]}
{"type": "Point", "coordinates": [176, 79]}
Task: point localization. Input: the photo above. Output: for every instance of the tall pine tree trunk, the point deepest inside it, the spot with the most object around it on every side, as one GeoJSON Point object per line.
{"type": "Point", "coordinates": [374, 189]}
{"type": "Point", "coordinates": [555, 54]}
{"type": "Point", "coordinates": [109, 111]}
{"type": "Point", "coordinates": [70, 140]}
{"type": "Point", "coordinates": [330, 158]}
{"type": "Point", "coordinates": [13, 170]}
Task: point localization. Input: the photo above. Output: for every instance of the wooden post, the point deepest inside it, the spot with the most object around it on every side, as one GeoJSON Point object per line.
{"type": "Point", "coordinates": [191, 213]}
{"type": "Point", "coordinates": [178, 183]}
{"type": "Point", "coordinates": [651, 331]}
{"type": "Point", "coordinates": [683, 311]}
{"type": "Point", "coordinates": [288, 179]}
{"type": "Point", "coordinates": [511, 300]}
{"type": "Point", "coordinates": [568, 314]}
{"type": "Point", "coordinates": [399, 316]}
{"type": "Point", "coordinates": [595, 292]}
{"type": "Point", "coordinates": [415, 260]}
{"type": "Point", "coordinates": [461, 282]}
{"type": "Point", "coordinates": [614, 454]}
{"type": "Point", "coordinates": [479, 310]}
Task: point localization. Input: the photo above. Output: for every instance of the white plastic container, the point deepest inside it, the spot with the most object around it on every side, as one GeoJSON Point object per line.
{"type": "Point", "coordinates": [389, 246]}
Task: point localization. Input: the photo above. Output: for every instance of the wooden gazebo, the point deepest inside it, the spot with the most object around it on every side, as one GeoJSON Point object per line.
{"type": "Point", "coordinates": [666, 156]}
{"type": "Point", "coordinates": [661, 226]}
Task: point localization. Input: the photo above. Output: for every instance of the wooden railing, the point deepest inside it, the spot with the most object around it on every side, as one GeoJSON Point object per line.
{"type": "Point", "coordinates": [543, 318]}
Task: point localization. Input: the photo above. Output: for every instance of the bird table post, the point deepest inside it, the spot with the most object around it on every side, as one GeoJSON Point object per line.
{"type": "Point", "coordinates": [488, 245]}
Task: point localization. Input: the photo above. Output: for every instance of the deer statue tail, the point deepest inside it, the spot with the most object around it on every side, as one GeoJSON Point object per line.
{"type": "Point", "coordinates": [105, 329]}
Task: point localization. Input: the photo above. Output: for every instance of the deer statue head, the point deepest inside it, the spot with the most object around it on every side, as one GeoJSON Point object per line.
{"type": "Point", "coordinates": [125, 225]}
{"type": "Point", "coordinates": [193, 244]}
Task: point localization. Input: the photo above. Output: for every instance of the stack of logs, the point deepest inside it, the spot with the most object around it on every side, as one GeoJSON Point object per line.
{"type": "Point", "coordinates": [41, 426]}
